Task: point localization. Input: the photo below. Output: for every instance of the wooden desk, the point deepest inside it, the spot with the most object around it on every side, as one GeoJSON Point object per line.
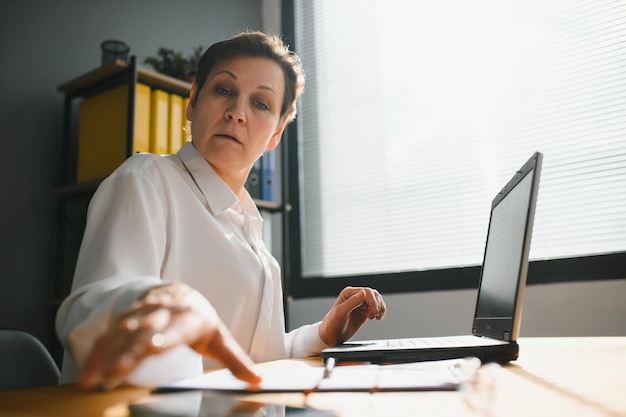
{"type": "Point", "coordinates": [553, 377]}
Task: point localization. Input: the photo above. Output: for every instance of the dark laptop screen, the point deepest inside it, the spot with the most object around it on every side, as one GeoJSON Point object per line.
{"type": "Point", "coordinates": [506, 255]}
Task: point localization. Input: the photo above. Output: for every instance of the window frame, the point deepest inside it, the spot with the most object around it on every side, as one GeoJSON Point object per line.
{"type": "Point", "coordinates": [602, 267]}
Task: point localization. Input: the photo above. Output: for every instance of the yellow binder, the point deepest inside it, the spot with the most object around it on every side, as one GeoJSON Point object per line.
{"type": "Point", "coordinates": [102, 130]}
{"type": "Point", "coordinates": [175, 133]}
{"type": "Point", "coordinates": [159, 121]}
{"type": "Point", "coordinates": [141, 141]}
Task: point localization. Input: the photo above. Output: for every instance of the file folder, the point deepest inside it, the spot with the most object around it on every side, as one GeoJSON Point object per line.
{"type": "Point", "coordinates": [268, 176]}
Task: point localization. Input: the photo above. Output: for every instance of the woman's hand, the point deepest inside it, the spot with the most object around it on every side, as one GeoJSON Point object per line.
{"type": "Point", "coordinates": [166, 316]}
{"type": "Point", "coordinates": [353, 308]}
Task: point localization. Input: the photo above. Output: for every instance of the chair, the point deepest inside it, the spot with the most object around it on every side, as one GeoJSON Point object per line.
{"type": "Point", "coordinates": [25, 362]}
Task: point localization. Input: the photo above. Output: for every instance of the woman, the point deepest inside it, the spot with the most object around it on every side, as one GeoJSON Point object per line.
{"type": "Point", "coordinates": [172, 267]}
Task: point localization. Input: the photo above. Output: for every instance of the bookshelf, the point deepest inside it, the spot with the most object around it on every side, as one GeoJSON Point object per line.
{"type": "Point", "coordinates": [97, 82]}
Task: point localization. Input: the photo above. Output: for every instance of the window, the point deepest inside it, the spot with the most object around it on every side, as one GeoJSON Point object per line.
{"type": "Point", "coordinates": [417, 112]}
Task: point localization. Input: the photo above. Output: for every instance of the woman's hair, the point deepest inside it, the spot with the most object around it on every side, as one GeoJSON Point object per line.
{"type": "Point", "coordinates": [257, 44]}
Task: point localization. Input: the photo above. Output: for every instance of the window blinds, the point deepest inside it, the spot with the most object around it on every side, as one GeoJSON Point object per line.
{"type": "Point", "coordinates": [417, 112]}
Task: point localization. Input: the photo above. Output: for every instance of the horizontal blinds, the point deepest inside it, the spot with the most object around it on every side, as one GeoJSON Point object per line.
{"type": "Point", "coordinates": [416, 113]}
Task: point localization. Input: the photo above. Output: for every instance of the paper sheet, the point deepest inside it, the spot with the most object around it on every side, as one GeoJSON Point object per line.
{"type": "Point", "coordinates": [440, 375]}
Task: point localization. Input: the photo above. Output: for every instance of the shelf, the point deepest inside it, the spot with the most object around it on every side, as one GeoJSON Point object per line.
{"type": "Point", "coordinates": [268, 206]}
{"type": "Point", "coordinates": [82, 86]}
{"type": "Point", "coordinates": [75, 190]}
{"type": "Point", "coordinates": [163, 82]}
{"type": "Point", "coordinates": [89, 187]}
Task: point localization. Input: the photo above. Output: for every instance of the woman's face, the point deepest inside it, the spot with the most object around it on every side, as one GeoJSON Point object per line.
{"type": "Point", "coordinates": [237, 115]}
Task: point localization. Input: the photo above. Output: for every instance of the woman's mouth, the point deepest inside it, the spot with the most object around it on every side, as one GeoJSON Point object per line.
{"type": "Point", "coordinates": [228, 137]}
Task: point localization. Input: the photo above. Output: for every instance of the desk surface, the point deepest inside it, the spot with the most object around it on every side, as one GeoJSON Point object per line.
{"type": "Point", "coordinates": [552, 377]}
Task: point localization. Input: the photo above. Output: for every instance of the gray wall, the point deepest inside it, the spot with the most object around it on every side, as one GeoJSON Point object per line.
{"type": "Point", "coordinates": [565, 309]}
{"type": "Point", "coordinates": [43, 44]}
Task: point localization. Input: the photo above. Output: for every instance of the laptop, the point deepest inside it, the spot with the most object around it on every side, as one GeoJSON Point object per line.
{"type": "Point", "coordinates": [498, 313]}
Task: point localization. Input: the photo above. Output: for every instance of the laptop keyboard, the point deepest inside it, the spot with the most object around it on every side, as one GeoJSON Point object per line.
{"type": "Point", "coordinates": [444, 341]}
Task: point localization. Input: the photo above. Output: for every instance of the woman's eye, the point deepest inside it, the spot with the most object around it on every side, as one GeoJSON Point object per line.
{"type": "Point", "coordinates": [261, 105]}
{"type": "Point", "coordinates": [222, 91]}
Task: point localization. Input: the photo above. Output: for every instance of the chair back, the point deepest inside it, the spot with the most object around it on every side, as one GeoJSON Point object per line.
{"type": "Point", "coordinates": [25, 362]}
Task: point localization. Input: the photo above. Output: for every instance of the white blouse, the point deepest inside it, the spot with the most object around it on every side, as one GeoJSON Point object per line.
{"type": "Point", "coordinates": [172, 218]}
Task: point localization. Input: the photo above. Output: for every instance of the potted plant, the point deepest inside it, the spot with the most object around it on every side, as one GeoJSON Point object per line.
{"type": "Point", "coordinates": [174, 64]}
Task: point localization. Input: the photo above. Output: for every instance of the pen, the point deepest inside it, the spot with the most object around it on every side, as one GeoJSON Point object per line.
{"type": "Point", "coordinates": [329, 365]}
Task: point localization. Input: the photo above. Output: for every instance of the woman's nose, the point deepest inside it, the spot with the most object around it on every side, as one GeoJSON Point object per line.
{"type": "Point", "coordinates": [236, 112]}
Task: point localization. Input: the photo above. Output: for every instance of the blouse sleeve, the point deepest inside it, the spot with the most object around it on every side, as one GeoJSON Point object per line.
{"type": "Point", "coordinates": [120, 258]}
{"type": "Point", "coordinates": [305, 341]}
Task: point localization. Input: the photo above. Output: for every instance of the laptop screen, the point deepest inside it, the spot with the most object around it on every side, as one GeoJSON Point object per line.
{"type": "Point", "coordinates": [506, 256]}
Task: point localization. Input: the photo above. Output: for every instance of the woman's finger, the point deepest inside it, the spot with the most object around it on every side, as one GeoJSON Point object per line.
{"type": "Point", "coordinates": [224, 348]}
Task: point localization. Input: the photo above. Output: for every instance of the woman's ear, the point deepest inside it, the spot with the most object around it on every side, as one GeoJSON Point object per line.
{"type": "Point", "coordinates": [276, 137]}
{"type": "Point", "coordinates": [191, 105]}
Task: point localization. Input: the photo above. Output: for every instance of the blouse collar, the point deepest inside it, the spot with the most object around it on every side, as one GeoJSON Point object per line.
{"type": "Point", "coordinates": [218, 195]}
